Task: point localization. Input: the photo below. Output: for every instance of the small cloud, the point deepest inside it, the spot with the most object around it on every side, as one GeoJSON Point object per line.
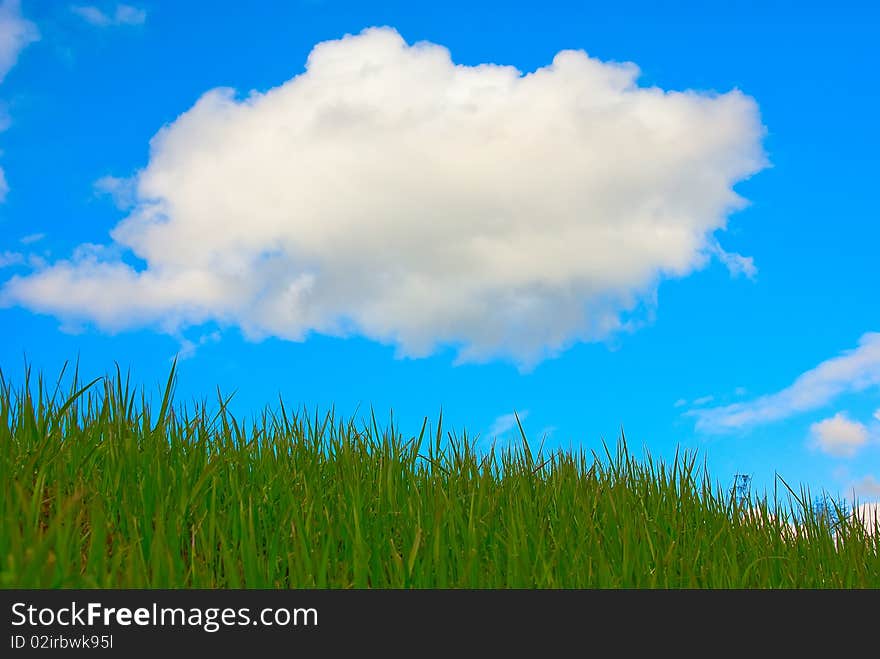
{"type": "Point", "coordinates": [8, 258]}
{"type": "Point", "coordinates": [91, 15]}
{"type": "Point", "coordinates": [702, 400]}
{"type": "Point", "coordinates": [31, 238]}
{"type": "Point", "coordinates": [94, 253]}
{"type": "Point", "coordinates": [188, 348]}
{"type": "Point", "coordinates": [36, 261]}
{"type": "Point", "coordinates": [547, 432]}
{"type": "Point", "coordinates": [877, 415]}
{"type": "Point", "coordinates": [736, 264]}
{"type": "Point", "coordinates": [128, 15]}
{"type": "Point", "coordinates": [838, 436]}
{"type": "Point", "coordinates": [740, 391]}
{"type": "Point", "coordinates": [123, 15]}
{"type": "Point", "coordinates": [867, 487]}
{"type": "Point", "coordinates": [504, 423]}
{"type": "Point", "coordinates": [16, 32]}
{"type": "Point", "coordinates": [121, 190]}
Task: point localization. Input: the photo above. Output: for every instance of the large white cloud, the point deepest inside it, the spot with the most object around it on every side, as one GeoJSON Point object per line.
{"type": "Point", "coordinates": [389, 192]}
{"type": "Point", "coordinates": [852, 371]}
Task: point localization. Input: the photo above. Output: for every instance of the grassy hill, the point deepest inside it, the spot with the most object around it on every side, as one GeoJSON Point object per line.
{"type": "Point", "coordinates": [100, 490]}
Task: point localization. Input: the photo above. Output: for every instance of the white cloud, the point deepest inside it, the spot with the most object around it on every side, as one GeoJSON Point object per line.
{"type": "Point", "coordinates": [505, 423]}
{"type": "Point", "coordinates": [123, 191]}
{"type": "Point", "coordinates": [16, 32]}
{"type": "Point", "coordinates": [866, 487]}
{"type": "Point", "coordinates": [877, 415]}
{"type": "Point", "coordinates": [737, 264]}
{"type": "Point", "coordinates": [854, 370]}
{"type": "Point", "coordinates": [697, 402]}
{"type": "Point", "coordinates": [391, 193]}
{"type": "Point", "coordinates": [122, 15]}
{"type": "Point", "coordinates": [188, 348]}
{"type": "Point", "coordinates": [839, 436]}
{"type": "Point", "coordinates": [31, 238]}
{"type": "Point", "coordinates": [8, 258]}
{"type": "Point", "coordinates": [869, 515]}
{"type": "Point", "coordinates": [36, 261]}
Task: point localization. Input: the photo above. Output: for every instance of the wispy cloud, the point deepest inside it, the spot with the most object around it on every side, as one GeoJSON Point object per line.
{"type": "Point", "coordinates": [8, 258]}
{"type": "Point", "coordinates": [188, 348]}
{"type": "Point", "coordinates": [697, 402]}
{"type": "Point", "coordinates": [736, 264]}
{"type": "Point", "coordinates": [16, 32]}
{"type": "Point", "coordinates": [121, 190]}
{"type": "Point", "coordinates": [36, 261]}
{"type": "Point", "coordinates": [852, 371]}
{"type": "Point", "coordinates": [868, 486]}
{"type": "Point", "coordinates": [122, 15]}
{"type": "Point", "coordinates": [839, 436]}
{"type": "Point", "coordinates": [31, 238]}
{"type": "Point", "coordinates": [505, 423]}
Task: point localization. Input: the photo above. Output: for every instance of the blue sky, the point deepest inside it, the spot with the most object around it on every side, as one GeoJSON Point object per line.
{"type": "Point", "coordinates": [569, 238]}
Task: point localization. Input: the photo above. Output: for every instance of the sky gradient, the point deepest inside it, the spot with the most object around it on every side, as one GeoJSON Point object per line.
{"type": "Point", "coordinates": [655, 217]}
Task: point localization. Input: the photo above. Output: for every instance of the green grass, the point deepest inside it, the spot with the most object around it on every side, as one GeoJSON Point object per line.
{"type": "Point", "coordinates": [100, 490]}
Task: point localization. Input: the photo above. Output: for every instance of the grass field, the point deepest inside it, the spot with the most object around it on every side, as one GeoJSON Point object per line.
{"type": "Point", "coordinates": [100, 490]}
